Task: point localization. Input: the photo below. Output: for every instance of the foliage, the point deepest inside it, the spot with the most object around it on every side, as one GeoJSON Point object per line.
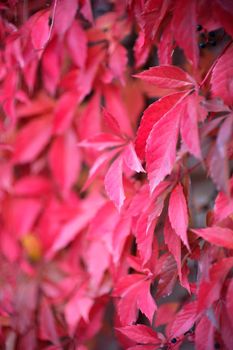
{"type": "Point", "coordinates": [97, 205]}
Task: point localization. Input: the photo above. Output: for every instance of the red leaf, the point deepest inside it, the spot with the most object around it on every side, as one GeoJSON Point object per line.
{"type": "Point", "coordinates": [144, 233]}
{"type": "Point", "coordinates": [86, 10]}
{"type": "Point", "coordinates": [120, 233]}
{"type": "Point", "coordinates": [78, 222]}
{"type": "Point", "coordinates": [167, 77]}
{"type": "Point", "coordinates": [47, 326]}
{"type": "Point", "coordinates": [173, 243]}
{"type": "Point", "coordinates": [114, 184]}
{"type": "Point", "coordinates": [64, 112]}
{"type": "Point", "coordinates": [226, 328]}
{"type": "Point", "coordinates": [134, 291]}
{"type": "Point", "coordinates": [152, 115]}
{"type": "Point", "coordinates": [143, 347]}
{"type": "Point", "coordinates": [178, 213]}
{"type": "Point", "coordinates": [98, 165]}
{"type": "Point", "coordinates": [16, 222]}
{"type": "Point", "coordinates": [63, 157]}
{"type": "Point", "coordinates": [229, 301]}
{"type": "Point", "coordinates": [223, 11]}
{"type": "Point", "coordinates": [88, 124]}
{"type": "Point", "coordinates": [189, 125]}
{"type": "Point", "coordinates": [40, 29]}
{"type": "Point", "coordinates": [140, 334]}
{"type": "Point", "coordinates": [69, 231]}
{"type": "Point", "coordinates": [51, 61]}
{"type": "Point", "coordinates": [32, 185]}
{"type": "Point", "coordinates": [219, 236]}
{"type": "Point", "coordinates": [166, 268]}
{"type": "Point", "coordinates": [166, 46]}
{"type": "Point", "coordinates": [184, 28]}
{"type": "Point", "coordinates": [217, 159]}
{"type": "Point", "coordinates": [64, 14]}
{"type": "Point", "coordinates": [96, 255]}
{"type": "Point", "coordinates": [117, 61]}
{"type": "Point", "coordinates": [102, 141]}
{"type": "Point", "coordinates": [221, 79]}
{"type": "Point", "coordinates": [115, 105]}
{"type": "Point", "coordinates": [165, 314]}
{"type": "Point", "coordinates": [161, 146]}
{"type": "Point", "coordinates": [131, 160]}
{"type": "Point", "coordinates": [204, 334]}
{"type": "Point", "coordinates": [111, 122]}
{"type": "Point", "coordinates": [77, 44]}
{"type": "Point", "coordinates": [31, 140]}
{"type": "Point", "coordinates": [184, 320]}
{"type": "Point", "coordinates": [78, 307]}
{"type": "Point", "coordinates": [141, 50]}
{"type": "Point", "coordinates": [210, 289]}
{"type": "Point", "coordinates": [223, 206]}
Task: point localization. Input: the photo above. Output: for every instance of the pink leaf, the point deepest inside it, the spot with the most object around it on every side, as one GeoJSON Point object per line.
{"type": "Point", "coordinates": [204, 334]}
{"type": "Point", "coordinates": [166, 313]}
{"type": "Point", "coordinates": [120, 233]}
{"type": "Point", "coordinates": [167, 77]}
{"type": "Point", "coordinates": [114, 184]}
{"type": "Point", "coordinates": [88, 124]}
{"type": "Point", "coordinates": [69, 231]}
{"type": "Point", "coordinates": [144, 233]}
{"type": "Point", "coordinates": [165, 46]}
{"type": "Point", "coordinates": [150, 116]}
{"type": "Point", "coordinates": [102, 141]}
{"type": "Point", "coordinates": [173, 242]}
{"type": "Point", "coordinates": [134, 291]}
{"type": "Point", "coordinates": [184, 320]}
{"type": "Point", "coordinates": [161, 146]}
{"type": "Point", "coordinates": [16, 222]}
{"type": "Point", "coordinates": [141, 50]}
{"type": "Point", "coordinates": [51, 61]}
{"type": "Point", "coordinates": [31, 140]}
{"type": "Point", "coordinates": [226, 328]}
{"type": "Point", "coordinates": [77, 44]}
{"type": "Point", "coordinates": [131, 160]}
{"type": "Point", "coordinates": [64, 14]}
{"type": "Point", "coordinates": [86, 10]}
{"type": "Point", "coordinates": [178, 213]}
{"type": "Point", "coordinates": [229, 301]}
{"type": "Point", "coordinates": [117, 60]}
{"type": "Point", "coordinates": [65, 161]}
{"type": "Point", "coordinates": [32, 185]}
{"type": "Point", "coordinates": [217, 159]}
{"type": "Point", "coordinates": [221, 79]}
{"type": "Point", "coordinates": [223, 11]}
{"type": "Point", "coordinates": [78, 222]}
{"type": "Point", "coordinates": [40, 29]}
{"type": "Point", "coordinates": [140, 334]}
{"type": "Point", "coordinates": [47, 326]}
{"type": "Point", "coordinates": [223, 206]}
{"type": "Point", "coordinates": [219, 236]}
{"type": "Point", "coordinates": [145, 302]}
{"type": "Point", "coordinates": [210, 287]}
{"type": "Point", "coordinates": [64, 112]}
{"type": "Point", "coordinates": [111, 122]}
{"type": "Point", "coordinates": [115, 105]}
{"type": "Point", "coordinates": [97, 260]}
{"type": "Point", "coordinates": [78, 307]}
{"type": "Point", "coordinates": [189, 125]}
{"type": "Point", "coordinates": [184, 28]}
{"type": "Point", "coordinates": [98, 165]}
